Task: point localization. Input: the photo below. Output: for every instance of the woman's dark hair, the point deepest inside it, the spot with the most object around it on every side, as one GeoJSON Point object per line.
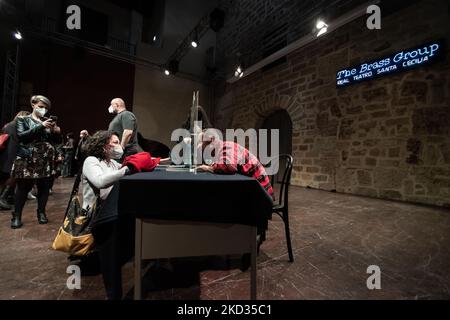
{"type": "Point", "coordinates": [70, 135]}
{"type": "Point", "coordinates": [95, 145]}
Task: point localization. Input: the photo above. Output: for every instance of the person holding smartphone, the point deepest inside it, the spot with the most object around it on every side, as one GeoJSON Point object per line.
{"type": "Point", "coordinates": [35, 158]}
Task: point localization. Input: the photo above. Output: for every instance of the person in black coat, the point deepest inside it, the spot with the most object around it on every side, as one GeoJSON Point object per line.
{"type": "Point", "coordinates": [7, 156]}
{"type": "Point", "coordinates": [35, 161]}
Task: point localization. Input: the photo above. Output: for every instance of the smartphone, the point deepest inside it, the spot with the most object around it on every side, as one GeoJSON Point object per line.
{"type": "Point", "coordinates": [53, 118]}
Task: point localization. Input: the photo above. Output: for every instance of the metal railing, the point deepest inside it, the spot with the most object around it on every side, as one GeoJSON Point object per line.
{"type": "Point", "coordinates": [50, 26]}
{"type": "Point", "coordinates": [122, 45]}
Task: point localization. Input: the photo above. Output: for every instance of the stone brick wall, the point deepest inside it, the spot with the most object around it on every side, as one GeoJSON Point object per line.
{"type": "Point", "coordinates": [254, 28]}
{"type": "Point", "coordinates": [386, 138]}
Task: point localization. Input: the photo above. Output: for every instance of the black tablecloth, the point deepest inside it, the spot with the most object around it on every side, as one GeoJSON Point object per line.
{"type": "Point", "coordinates": [171, 196]}
{"type": "Point", "coordinates": [190, 197]}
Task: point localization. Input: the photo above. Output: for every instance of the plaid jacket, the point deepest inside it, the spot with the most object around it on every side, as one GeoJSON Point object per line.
{"type": "Point", "coordinates": [232, 158]}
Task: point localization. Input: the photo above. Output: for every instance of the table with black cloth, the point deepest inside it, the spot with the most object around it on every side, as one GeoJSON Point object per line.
{"type": "Point", "coordinates": [167, 198]}
{"type": "Point", "coordinates": [195, 197]}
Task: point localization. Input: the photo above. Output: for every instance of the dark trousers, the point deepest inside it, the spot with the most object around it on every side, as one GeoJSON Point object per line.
{"type": "Point", "coordinates": [52, 182]}
{"type": "Point", "coordinates": [7, 181]}
{"type": "Point", "coordinates": [24, 186]}
{"type": "Point", "coordinates": [67, 165]}
{"type": "Point", "coordinates": [114, 243]}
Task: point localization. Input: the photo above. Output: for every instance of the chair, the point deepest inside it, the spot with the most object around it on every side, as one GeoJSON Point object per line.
{"type": "Point", "coordinates": [281, 205]}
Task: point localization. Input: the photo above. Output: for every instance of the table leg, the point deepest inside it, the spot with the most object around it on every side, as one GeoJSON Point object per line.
{"type": "Point", "coordinates": [138, 261]}
{"type": "Point", "coordinates": [253, 264]}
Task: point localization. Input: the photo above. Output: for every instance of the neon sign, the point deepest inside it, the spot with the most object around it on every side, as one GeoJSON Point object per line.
{"type": "Point", "coordinates": [397, 62]}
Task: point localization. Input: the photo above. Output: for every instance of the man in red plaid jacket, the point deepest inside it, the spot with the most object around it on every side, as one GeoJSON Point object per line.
{"type": "Point", "coordinates": [231, 158]}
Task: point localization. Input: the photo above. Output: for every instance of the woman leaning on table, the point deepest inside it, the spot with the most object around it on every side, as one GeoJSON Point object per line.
{"type": "Point", "coordinates": [113, 233]}
{"type": "Point", "coordinates": [35, 158]}
{"type": "Point", "coordinates": [113, 238]}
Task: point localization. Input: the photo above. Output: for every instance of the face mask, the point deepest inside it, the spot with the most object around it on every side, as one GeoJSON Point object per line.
{"type": "Point", "coordinates": [41, 111]}
{"type": "Point", "coordinates": [111, 110]}
{"type": "Point", "coordinates": [116, 152]}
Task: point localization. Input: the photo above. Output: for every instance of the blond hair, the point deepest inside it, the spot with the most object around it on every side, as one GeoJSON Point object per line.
{"type": "Point", "coordinates": [39, 98]}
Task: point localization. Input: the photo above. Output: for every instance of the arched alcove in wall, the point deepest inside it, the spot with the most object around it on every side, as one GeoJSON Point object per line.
{"type": "Point", "coordinates": [281, 120]}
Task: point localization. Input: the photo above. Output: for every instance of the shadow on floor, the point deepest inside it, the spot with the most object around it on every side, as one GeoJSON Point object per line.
{"type": "Point", "coordinates": [167, 274]}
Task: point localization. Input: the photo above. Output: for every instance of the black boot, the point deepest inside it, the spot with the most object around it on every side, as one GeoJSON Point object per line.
{"type": "Point", "coordinates": [4, 205]}
{"type": "Point", "coordinates": [10, 196]}
{"type": "Point", "coordinates": [16, 221]}
{"type": "Point", "coordinates": [42, 218]}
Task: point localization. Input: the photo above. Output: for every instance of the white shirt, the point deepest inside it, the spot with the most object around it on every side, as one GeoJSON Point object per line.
{"type": "Point", "coordinates": [98, 178]}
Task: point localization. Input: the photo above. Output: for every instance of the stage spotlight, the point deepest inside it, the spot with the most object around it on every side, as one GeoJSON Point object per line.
{"type": "Point", "coordinates": [320, 24]}
{"type": "Point", "coordinates": [321, 27]}
{"type": "Point", "coordinates": [322, 31]}
{"type": "Point", "coordinates": [167, 72]}
{"type": "Point", "coordinates": [154, 38]}
{"type": "Point", "coordinates": [239, 73]}
{"type": "Point", "coordinates": [18, 35]}
{"type": "Point", "coordinates": [194, 42]}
